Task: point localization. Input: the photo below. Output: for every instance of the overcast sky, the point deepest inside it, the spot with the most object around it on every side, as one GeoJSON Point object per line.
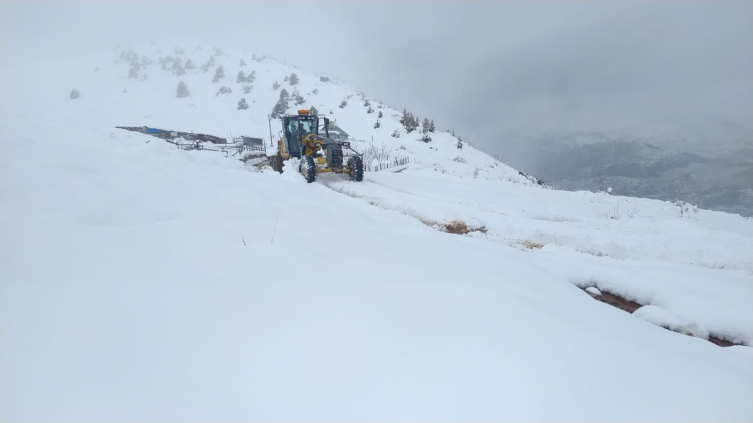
{"type": "Point", "coordinates": [489, 70]}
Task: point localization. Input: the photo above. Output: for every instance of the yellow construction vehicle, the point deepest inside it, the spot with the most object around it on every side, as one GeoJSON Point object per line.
{"type": "Point", "coordinates": [317, 153]}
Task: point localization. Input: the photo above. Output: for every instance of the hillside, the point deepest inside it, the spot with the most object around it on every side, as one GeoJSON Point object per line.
{"type": "Point", "coordinates": [145, 282]}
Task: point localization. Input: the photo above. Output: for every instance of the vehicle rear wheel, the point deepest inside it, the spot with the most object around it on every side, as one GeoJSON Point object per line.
{"type": "Point", "coordinates": [355, 168]}
{"type": "Point", "coordinates": [276, 162]}
{"type": "Point", "coordinates": [308, 168]}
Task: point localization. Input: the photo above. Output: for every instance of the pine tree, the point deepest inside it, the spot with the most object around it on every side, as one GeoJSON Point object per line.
{"type": "Point", "coordinates": [210, 63]}
{"type": "Point", "coordinates": [178, 62]}
{"type": "Point", "coordinates": [293, 78]}
{"type": "Point", "coordinates": [219, 73]}
{"type": "Point", "coordinates": [298, 98]}
{"type": "Point", "coordinates": [396, 133]}
{"type": "Point", "coordinates": [182, 90]}
{"type": "Point", "coordinates": [432, 128]}
{"type": "Point", "coordinates": [189, 65]}
{"type": "Point", "coordinates": [251, 77]}
{"type": "Point", "coordinates": [425, 125]}
{"type": "Point", "coordinates": [286, 79]}
{"type": "Point", "coordinates": [313, 111]}
{"type": "Point", "coordinates": [75, 94]}
{"type": "Point", "coordinates": [247, 89]}
{"type": "Point", "coordinates": [242, 104]}
{"type": "Point", "coordinates": [370, 110]}
{"type": "Point", "coordinates": [178, 67]}
{"type": "Point", "coordinates": [343, 104]}
{"type": "Point", "coordinates": [275, 86]}
{"type": "Point", "coordinates": [377, 124]}
{"type": "Point", "coordinates": [223, 90]}
{"type": "Point", "coordinates": [324, 79]}
{"type": "Point", "coordinates": [241, 77]}
{"type": "Point", "coordinates": [281, 107]}
{"type": "Point", "coordinates": [379, 115]}
{"type": "Point", "coordinates": [133, 74]}
{"type": "Point", "coordinates": [242, 63]}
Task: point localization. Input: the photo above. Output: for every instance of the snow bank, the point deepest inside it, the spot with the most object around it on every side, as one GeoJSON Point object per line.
{"type": "Point", "coordinates": [667, 320]}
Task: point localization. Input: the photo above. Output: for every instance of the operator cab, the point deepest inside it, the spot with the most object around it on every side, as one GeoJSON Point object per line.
{"type": "Point", "coordinates": [297, 127]}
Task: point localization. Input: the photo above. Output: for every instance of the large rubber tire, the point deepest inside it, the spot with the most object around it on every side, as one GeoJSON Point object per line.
{"type": "Point", "coordinates": [308, 168]}
{"type": "Point", "coordinates": [276, 163]}
{"type": "Point", "coordinates": [355, 168]}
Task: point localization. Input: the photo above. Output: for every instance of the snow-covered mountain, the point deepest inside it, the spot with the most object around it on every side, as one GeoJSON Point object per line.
{"type": "Point", "coordinates": [140, 281]}
{"type": "Point", "coordinates": [709, 164]}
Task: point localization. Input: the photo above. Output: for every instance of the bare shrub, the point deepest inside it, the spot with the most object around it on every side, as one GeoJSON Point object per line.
{"type": "Point", "coordinates": [380, 154]}
{"type": "Point", "coordinates": [613, 213]}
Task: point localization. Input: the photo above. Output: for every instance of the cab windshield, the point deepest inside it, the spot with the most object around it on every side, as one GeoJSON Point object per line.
{"type": "Point", "coordinates": [298, 127]}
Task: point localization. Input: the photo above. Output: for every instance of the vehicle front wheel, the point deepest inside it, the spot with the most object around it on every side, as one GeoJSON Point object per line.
{"type": "Point", "coordinates": [308, 168]}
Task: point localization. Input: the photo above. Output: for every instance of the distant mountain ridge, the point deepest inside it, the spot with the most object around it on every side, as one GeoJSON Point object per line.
{"type": "Point", "coordinates": [711, 168]}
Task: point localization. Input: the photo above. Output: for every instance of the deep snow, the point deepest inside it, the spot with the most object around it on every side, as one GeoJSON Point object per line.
{"type": "Point", "coordinates": [143, 282]}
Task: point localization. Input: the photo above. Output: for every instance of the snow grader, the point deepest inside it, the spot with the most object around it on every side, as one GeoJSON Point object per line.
{"type": "Point", "coordinates": [318, 153]}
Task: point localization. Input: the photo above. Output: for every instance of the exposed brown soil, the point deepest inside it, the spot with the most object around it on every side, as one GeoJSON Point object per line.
{"type": "Point", "coordinates": [720, 342]}
{"type": "Point", "coordinates": [631, 306]}
{"type": "Point", "coordinates": [616, 301]}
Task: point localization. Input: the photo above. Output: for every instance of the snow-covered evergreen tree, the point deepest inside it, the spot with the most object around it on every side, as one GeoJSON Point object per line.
{"type": "Point", "coordinates": [242, 104]}
{"type": "Point", "coordinates": [425, 125]}
{"type": "Point", "coordinates": [75, 94]}
{"type": "Point", "coordinates": [242, 63]}
{"type": "Point", "coordinates": [241, 77]}
{"type": "Point", "coordinates": [189, 65]}
{"type": "Point", "coordinates": [293, 79]}
{"type": "Point", "coordinates": [281, 107]}
{"type": "Point", "coordinates": [219, 73]}
{"type": "Point", "coordinates": [298, 98]}
{"type": "Point", "coordinates": [275, 86]}
{"type": "Point", "coordinates": [223, 90]}
{"type": "Point", "coordinates": [182, 90]}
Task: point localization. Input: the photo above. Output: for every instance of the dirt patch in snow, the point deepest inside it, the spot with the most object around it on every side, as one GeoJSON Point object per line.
{"type": "Point", "coordinates": [615, 301]}
{"type": "Point", "coordinates": [630, 306]}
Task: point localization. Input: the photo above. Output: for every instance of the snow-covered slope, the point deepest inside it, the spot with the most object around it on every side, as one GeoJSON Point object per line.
{"type": "Point", "coordinates": [143, 282]}
{"type": "Point", "coordinates": [108, 97]}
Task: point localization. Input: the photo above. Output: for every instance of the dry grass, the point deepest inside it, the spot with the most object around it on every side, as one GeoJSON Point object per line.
{"type": "Point", "coordinates": [456, 227]}
{"type": "Point", "coordinates": [530, 244]}
{"type": "Point", "coordinates": [459, 227]}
